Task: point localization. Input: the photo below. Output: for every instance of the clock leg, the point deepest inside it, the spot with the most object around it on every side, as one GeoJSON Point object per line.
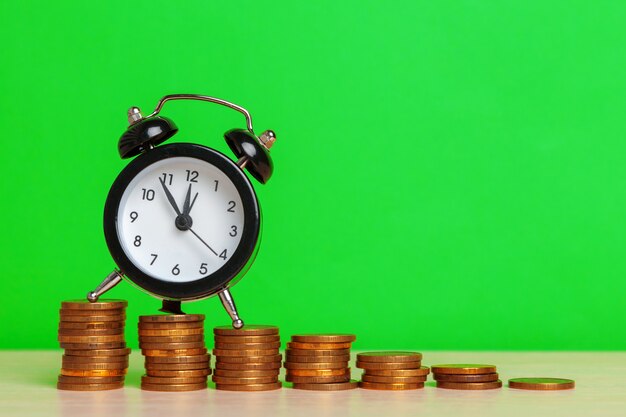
{"type": "Point", "coordinates": [231, 309]}
{"type": "Point", "coordinates": [109, 282]}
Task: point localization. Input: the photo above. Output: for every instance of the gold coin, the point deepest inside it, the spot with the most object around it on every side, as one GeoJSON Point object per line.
{"type": "Point", "coordinates": [173, 352]}
{"type": "Point", "coordinates": [98, 325]}
{"type": "Point", "coordinates": [388, 365]}
{"type": "Point", "coordinates": [145, 379]}
{"type": "Point", "coordinates": [92, 346]}
{"type": "Point", "coordinates": [118, 318]}
{"type": "Point", "coordinates": [247, 330]}
{"type": "Point", "coordinates": [173, 387]}
{"type": "Point", "coordinates": [89, 387]}
{"type": "Point", "coordinates": [177, 366]}
{"type": "Point", "coordinates": [250, 387]}
{"type": "Point", "coordinates": [171, 332]}
{"type": "Point", "coordinates": [318, 372]}
{"type": "Point", "coordinates": [324, 338]}
{"type": "Point", "coordinates": [94, 359]}
{"type": "Point", "coordinates": [90, 380]}
{"type": "Point", "coordinates": [317, 379]}
{"type": "Point", "coordinates": [178, 359]}
{"type": "Point", "coordinates": [245, 352]}
{"type": "Point", "coordinates": [316, 359]}
{"type": "Point", "coordinates": [171, 318]}
{"type": "Point", "coordinates": [171, 339]}
{"type": "Point", "coordinates": [93, 372]}
{"type": "Point", "coordinates": [467, 378]}
{"type": "Point", "coordinates": [98, 305]}
{"type": "Point", "coordinates": [247, 346]}
{"type": "Point", "coordinates": [322, 365]}
{"type": "Point", "coordinates": [422, 371]}
{"type": "Point", "coordinates": [469, 385]}
{"type": "Point", "coordinates": [170, 325]}
{"type": "Point", "coordinates": [247, 381]}
{"type": "Point", "coordinates": [463, 369]}
{"type": "Point", "coordinates": [91, 332]}
{"type": "Point", "coordinates": [336, 386]}
{"type": "Point", "coordinates": [178, 374]}
{"type": "Point", "coordinates": [91, 339]}
{"type": "Point", "coordinates": [95, 366]}
{"type": "Point", "coordinates": [98, 352]}
{"type": "Point", "coordinates": [251, 359]}
{"type": "Point", "coordinates": [393, 379]}
{"type": "Point", "coordinates": [247, 366]}
{"type": "Point", "coordinates": [317, 352]}
{"type": "Point", "coordinates": [318, 346]}
{"type": "Point", "coordinates": [91, 313]}
{"type": "Point", "coordinates": [247, 339]}
{"type": "Point", "coordinates": [390, 387]}
{"type": "Point", "coordinates": [541, 384]}
{"type": "Point", "coordinates": [171, 346]}
{"type": "Point", "coordinates": [389, 356]}
{"type": "Point", "coordinates": [246, 374]}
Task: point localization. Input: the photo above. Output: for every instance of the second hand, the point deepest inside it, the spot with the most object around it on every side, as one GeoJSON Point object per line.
{"type": "Point", "coordinates": [202, 240]}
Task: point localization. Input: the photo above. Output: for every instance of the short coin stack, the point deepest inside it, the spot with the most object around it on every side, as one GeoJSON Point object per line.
{"type": "Point", "coordinates": [542, 384]}
{"type": "Point", "coordinates": [176, 357]}
{"type": "Point", "coordinates": [92, 334]}
{"type": "Point", "coordinates": [247, 359]}
{"type": "Point", "coordinates": [392, 370]}
{"type": "Point", "coordinates": [466, 376]}
{"type": "Point", "coordinates": [319, 362]}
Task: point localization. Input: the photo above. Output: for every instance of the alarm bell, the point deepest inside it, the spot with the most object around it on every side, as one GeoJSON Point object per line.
{"type": "Point", "coordinates": [144, 133]}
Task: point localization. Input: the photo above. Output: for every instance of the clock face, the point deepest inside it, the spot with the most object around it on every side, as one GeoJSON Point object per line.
{"type": "Point", "coordinates": [180, 219]}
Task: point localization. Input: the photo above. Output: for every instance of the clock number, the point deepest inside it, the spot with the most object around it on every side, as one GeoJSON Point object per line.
{"type": "Point", "coordinates": [216, 184]}
{"type": "Point", "coordinates": [203, 270]}
{"type": "Point", "coordinates": [233, 232]}
{"type": "Point", "coordinates": [133, 216]}
{"type": "Point", "coordinates": [165, 176]}
{"type": "Point", "coordinates": [137, 241]}
{"type": "Point", "coordinates": [147, 194]}
{"type": "Point", "coordinates": [232, 206]}
{"type": "Point", "coordinates": [175, 270]}
{"type": "Point", "coordinates": [192, 176]}
{"type": "Point", "coordinates": [154, 256]}
{"type": "Point", "coordinates": [223, 254]}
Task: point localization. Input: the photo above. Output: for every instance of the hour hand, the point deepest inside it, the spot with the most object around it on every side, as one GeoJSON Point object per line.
{"type": "Point", "coordinates": [187, 205]}
{"type": "Point", "coordinates": [169, 196]}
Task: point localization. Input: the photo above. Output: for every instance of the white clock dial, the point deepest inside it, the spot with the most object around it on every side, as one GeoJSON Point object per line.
{"type": "Point", "coordinates": [146, 220]}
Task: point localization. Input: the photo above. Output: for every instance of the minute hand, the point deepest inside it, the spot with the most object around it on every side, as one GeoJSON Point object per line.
{"type": "Point", "coordinates": [169, 196]}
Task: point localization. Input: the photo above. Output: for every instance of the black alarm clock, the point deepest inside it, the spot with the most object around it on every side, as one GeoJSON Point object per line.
{"type": "Point", "coordinates": [182, 221]}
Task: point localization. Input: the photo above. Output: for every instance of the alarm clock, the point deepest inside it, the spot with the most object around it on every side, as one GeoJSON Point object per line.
{"type": "Point", "coordinates": [182, 221]}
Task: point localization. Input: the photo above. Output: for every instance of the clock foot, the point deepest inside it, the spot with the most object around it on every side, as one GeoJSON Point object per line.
{"type": "Point", "coordinates": [231, 309]}
{"type": "Point", "coordinates": [109, 282]}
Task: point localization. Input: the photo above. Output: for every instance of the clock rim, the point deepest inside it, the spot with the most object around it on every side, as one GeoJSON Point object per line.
{"type": "Point", "coordinates": [226, 276]}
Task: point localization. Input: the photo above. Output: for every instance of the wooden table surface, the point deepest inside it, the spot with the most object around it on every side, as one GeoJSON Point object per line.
{"type": "Point", "coordinates": [28, 378]}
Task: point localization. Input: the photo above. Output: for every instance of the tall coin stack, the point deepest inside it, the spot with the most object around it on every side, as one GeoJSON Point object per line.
{"type": "Point", "coordinates": [247, 359]}
{"type": "Point", "coordinates": [92, 334]}
{"type": "Point", "coordinates": [466, 376]}
{"type": "Point", "coordinates": [176, 357]}
{"type": "Point", "coordinates": [392, 370]}
{"type": "Point", "coordinates": [319, 362]}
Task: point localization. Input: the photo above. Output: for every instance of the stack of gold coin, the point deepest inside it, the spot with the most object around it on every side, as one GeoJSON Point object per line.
{"type": "Point", "coordinates": [319, 362]}
{"type": "Point", "coordinates": [92, 334]}
{"type": "Point", "coordinates": [247, 359]}
{"type": "Point", "coordinates": [466, 376]}
{"type": "Point", "coordinates": [392, 370]}
{"type": "Point", "coordinates": [176, 357]}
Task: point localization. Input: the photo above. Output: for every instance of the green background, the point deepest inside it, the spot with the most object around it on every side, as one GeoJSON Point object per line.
{"type": "Point", "coordinates": [448, 174]}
